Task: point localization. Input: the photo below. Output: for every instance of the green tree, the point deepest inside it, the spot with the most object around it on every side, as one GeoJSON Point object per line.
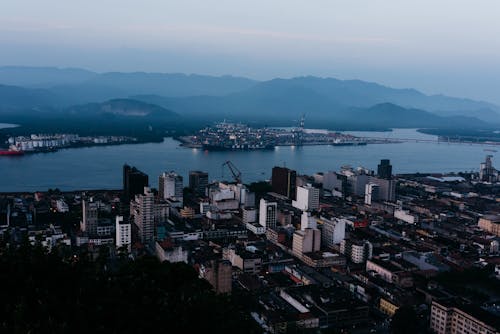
{"type": "Point", "coordinates": [404, 321]}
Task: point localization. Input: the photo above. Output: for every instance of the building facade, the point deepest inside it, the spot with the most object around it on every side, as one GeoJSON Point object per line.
{"type": "Point", "coordinates": [283, 181]}
{"type": "Point", "coordinates": [143, 211]}
{"type": "Point", "coordinates": [268, 213]}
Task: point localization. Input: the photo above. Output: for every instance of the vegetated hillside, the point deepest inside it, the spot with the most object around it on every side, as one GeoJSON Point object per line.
{"type": "Point", "coordinates": [124, 108]}
{"type": "Point", "coordinates": [52, 293]}
{"type": "Point", "coordinates": [115, 117]}
{"type": "Point", "coordinates": [14, 98]}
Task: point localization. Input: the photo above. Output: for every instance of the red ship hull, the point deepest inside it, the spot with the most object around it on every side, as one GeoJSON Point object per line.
{"type": "Point", "coordinates": [11, 153]}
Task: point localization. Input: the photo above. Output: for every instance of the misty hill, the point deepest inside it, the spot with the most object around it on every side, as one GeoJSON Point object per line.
{"type": "Point", "coordinates": [392, 116]}
{"type": "Point", "coordinates": [75, 86]}
{"type": "Point", "coordinates": [81, 86]}
{"type": "Point", "coordinates": [42, 77]}
{"type": "Point", "coordinates": [175, 84]}
{"type": "Point", "coordinates": [121, 108]}
{"type": "Point", "coordinates": [286, 105]}
{"type": "Point", "coordinates": [14, 98]}
{"type": "Point", "coordinates": [226, 96]}
{"type": "Point", "coordinates": [356, 93]}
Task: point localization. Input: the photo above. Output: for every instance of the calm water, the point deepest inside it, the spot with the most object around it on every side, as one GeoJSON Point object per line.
{"type": "Point", "coordinates": [100, 167]}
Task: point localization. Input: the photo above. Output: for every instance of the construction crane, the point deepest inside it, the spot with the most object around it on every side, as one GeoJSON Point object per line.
{"type": "Point", "coordinates": [234, 170]}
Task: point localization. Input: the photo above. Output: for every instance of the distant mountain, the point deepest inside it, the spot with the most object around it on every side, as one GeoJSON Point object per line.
{"type": "Point", "coordinates": [356, 93]}
{"type": "Point", "coordinates": [173, 85]}
{"type": "Point", "coordinates": [286, 106]}
{"type": "Point", "coordinates": [393, 116]}
{"type": "Point", "coordinates": [320, 98]}
{"type": "Point", "coordinates": [42, 77]}
{"type": "Point", "coordinates": [277, 100]}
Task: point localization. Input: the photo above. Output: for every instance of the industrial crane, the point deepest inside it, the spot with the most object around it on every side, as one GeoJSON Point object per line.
{"type": "Point", "coordinates": [234, 170]}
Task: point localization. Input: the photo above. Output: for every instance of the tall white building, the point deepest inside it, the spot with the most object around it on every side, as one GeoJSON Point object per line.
{"type": "Point", "coordinates": [386, 190]}
{"type": "Point", "coordinates": [332, 231]}
{"type": "Point", "coordinates": [268, 213]}
{"type": "Point", "coordinates": [143, 210]}
{"type": "Point", "coordinates": [306, 241]}
{"type": "Point", "coordinates": [307, 198]}
{"type": "Point", "coordinates": [371, 193]}
{"type": "Point", "coordinates": [307, 221]}
{"type": "Point", "coordinates": [171, 186]}
{"type": "Point", "coordinates": [123, 233]}
{"type": "Point", "coordinates": [90, 216]}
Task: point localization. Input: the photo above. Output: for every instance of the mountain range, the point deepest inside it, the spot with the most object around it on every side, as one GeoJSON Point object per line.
{"type": "Point", "coordinates": [325, 101]}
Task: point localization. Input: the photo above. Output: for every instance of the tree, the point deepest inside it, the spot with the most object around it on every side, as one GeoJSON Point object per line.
{"type": "Point", "coordinates": [42, 293]}
{"type": "Point", "coordinates": [404, 321]}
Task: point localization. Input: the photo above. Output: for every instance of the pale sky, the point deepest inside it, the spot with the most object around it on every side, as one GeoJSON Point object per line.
{"type": "Point", "coordinates": [437, 46]}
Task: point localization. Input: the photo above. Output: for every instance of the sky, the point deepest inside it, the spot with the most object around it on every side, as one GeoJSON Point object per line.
{"type": "Point", "coordinates": [447, 47]}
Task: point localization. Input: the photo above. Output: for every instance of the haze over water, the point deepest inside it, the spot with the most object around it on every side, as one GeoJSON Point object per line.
{"type": "Point", "coordinates": [101, 167]}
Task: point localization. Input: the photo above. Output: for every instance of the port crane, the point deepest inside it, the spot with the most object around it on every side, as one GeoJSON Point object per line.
{"type": "Point", "coordinates": [234, 170]}
{"type": "Point", "coordinates": [299, 131]}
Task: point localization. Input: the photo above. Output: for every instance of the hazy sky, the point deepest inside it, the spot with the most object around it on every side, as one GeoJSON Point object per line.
{"type": "Point", "coordinates": [438, 46]}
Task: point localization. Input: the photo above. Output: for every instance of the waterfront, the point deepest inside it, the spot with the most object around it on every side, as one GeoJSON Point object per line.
{"type": "Point", "coordinates": [101, 167]}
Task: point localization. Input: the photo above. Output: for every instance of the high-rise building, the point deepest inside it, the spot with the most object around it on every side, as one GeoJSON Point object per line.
{"type": "Point", "coordinates": [371, 193]}
{"type": "Point", "coordinates": [198, 181]}
{"type": "Point", "coordinates": [123, 232]}
{"type": "Point", "coordinates": [386, 188]}
{"type": "Point", "coordinates": [332, 231]}
{"type": "Point", "coordinates": [487, 172]}
{"type": "Point", "coordinates": [306, 241]}
{"type": "Point", "coordinates": [219, 274]}
{"type": "Point", "coordinates": [134, 182]}
{"type": "Point", "coordinates": [143, 210]}
{"type": "Point", "coordinates": [357, 183]}
{"type": "Point", "coordinates": [170, 186]}
{"type": "Point", "coordinates": [335, 182]}
{"type": "Point", "coordinates": [283, 181]}
{"type": "Point", "coordinates": [268, 213]}
{"type": "Point", "coordinates": [384, 169]}
{"type": "Point", "coordinates": [89, 216]}
{"type": "Point", "coordinates": [307, 198]}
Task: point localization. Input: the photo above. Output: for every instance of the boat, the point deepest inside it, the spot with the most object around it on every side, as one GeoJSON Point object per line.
{"type": "Point", "coordinates": [11, 153]}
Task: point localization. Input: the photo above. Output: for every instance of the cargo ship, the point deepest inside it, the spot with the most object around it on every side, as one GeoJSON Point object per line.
{"type": "Point", "coordinates": [11, 153]}
{"type": "Point", "coordinates": [349, 143]}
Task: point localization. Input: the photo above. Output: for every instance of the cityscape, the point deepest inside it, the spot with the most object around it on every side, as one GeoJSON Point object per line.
{"type": "Point", "coordinates": [250, 167]}
{"type": "Point", "coordinates": [340, 250]}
